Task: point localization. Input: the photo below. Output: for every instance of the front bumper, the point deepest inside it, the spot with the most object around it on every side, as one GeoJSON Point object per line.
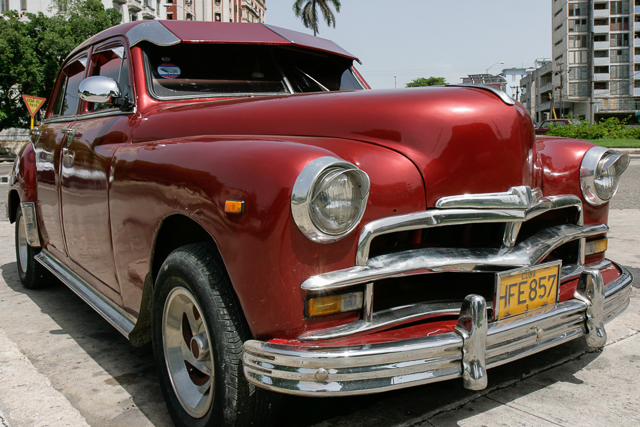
{"type": "Point", "coordinates": [475, 346]}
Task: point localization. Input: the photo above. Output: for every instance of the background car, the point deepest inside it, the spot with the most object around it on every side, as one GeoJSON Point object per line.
{"type": "Point", "coordinates": [543, 127]}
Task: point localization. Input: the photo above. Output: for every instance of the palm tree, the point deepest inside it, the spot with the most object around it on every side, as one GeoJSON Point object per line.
{"type": "Point", "coordinates": [307, 10]}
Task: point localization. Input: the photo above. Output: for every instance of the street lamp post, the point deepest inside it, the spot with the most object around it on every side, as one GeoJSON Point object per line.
{"type": "Point", "coordinates": [195, 18]}
{"type": "Point", "coordinates": [500, 62]}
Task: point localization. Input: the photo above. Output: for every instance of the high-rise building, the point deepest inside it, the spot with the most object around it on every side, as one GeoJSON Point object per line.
{"type": "Point", "coordinates": [136, 10]}
{"type": "Point", "coordinates": [594, 65]}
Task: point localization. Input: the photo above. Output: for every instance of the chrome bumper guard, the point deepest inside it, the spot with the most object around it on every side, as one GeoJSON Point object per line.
{"type": "Point", "coordinates": [467, 353]}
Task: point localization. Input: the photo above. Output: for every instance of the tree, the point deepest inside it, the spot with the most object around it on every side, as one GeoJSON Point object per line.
{"type": "Point", "coordinates": [32, 51]}
{"type": "Point", "coordinates": [431, 81]}
{"type": "Point", "coordinates": [307, 10]}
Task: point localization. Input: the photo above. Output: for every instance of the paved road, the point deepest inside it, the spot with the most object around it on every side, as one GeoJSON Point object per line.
{"type": "Point", "coordinates": [61, 364]}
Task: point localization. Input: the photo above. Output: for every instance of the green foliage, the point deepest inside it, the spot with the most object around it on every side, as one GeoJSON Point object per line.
{"type": "Point", "coordinates": [307, 10]}
{"type": "Point", "coordinates": [32, 51]}
{"type": "Point", "coordinates": [431, 81]}
{"type": "Point", "coordinates": [611, 128]}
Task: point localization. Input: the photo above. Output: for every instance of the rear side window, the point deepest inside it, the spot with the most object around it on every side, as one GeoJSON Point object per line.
{"type": "Point", "coordinates": [67, 100]}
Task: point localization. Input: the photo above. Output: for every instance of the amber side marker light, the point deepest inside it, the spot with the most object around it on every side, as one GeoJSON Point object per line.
{"type": "Point", "coordinates": [596, 247]}
{"type": "Point", "coordinates": [333, 304]}
{"type": "Point", "coordinates": [234, 207]}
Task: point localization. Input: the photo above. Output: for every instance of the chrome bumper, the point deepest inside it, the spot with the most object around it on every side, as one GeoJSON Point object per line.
{"type": "Point", "coordinates": [467, 353]}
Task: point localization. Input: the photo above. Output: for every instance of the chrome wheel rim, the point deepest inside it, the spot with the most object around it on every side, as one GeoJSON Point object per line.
{"type": "Point", "coordinates": [23, 246]}
{"type": "Point", "coordinates": [187, 352]}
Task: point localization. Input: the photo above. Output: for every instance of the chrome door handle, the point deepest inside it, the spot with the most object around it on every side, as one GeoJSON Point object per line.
{"type": "Point", "coordinates": [70, 133]}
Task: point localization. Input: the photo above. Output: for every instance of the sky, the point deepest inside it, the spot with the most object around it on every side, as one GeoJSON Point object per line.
{"type": "Point", "coordinates": [440, 38]}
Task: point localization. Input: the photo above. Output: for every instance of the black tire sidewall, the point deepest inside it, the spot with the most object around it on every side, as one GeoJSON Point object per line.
{"type": "Point", "coordinates": [183, 269]}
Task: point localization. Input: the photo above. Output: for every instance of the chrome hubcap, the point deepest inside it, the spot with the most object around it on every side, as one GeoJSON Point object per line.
{"type": "Point", "coordinates": [186, 349]}
{"type": "Point", "coordinates": [23, 247]}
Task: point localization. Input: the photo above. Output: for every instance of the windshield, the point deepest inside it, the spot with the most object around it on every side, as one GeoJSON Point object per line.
{"type": "Point", "coordinates": [206, 70]}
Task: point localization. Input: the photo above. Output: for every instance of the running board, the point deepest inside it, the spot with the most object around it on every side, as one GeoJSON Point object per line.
{"type": "Point", "coordinates": [112, 313]}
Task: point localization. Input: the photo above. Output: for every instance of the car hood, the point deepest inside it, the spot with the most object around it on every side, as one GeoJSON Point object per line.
{"type": "Point", "coordinates": [462, 139]}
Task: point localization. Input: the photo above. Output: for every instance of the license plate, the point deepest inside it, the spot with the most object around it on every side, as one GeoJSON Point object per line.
{"type": "Point", "coordinates": [524, 289]}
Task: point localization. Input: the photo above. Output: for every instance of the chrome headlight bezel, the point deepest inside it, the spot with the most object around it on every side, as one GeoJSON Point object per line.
{"type": "Point", "coordinates": [594, 165]}
{"type": "Point", "coordinates": [304, 189]}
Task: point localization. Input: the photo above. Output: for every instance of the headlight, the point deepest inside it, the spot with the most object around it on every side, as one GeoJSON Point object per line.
{"type": "Point", "coordinates": [329, 199]}
{"type": "Point", "coordinates": [600, 173]}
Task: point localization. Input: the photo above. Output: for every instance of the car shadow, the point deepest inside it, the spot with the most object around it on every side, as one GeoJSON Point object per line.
{"type": "Point", "coordinates": [133, 369]}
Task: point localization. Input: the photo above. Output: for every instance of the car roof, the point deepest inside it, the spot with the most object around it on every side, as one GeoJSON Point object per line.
{"type": "Point", "coordinates": [167, 33]}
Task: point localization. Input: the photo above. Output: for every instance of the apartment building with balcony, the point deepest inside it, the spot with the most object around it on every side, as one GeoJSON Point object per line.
{"type": "Point", "coordinates": [536, 90]}
{"type": "Point", "coordinates": [136, 10]}
{"type": "Point", "coordinates": [216, 10]}
{"type": "Point", "coordinates": [595, 62]}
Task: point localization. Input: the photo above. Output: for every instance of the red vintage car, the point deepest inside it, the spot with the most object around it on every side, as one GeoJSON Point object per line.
{"type": "Point", "coordinates": [235, 194]}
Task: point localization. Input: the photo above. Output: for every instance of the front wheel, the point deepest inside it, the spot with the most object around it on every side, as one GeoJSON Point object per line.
{"type": "Point", "coordinates": [198, 332]}
{"type": "Point", "coordinates": [32, 274]}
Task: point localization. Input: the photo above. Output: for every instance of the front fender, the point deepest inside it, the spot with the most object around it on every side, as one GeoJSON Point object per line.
{"type": "Point", "coordinates": [560, 160]}
{"type": "Point", "coordinates": [265, 254]}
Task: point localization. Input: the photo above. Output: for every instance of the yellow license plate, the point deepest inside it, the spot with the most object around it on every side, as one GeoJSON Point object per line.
{"type": "Point", "coordinates": [525, 289]}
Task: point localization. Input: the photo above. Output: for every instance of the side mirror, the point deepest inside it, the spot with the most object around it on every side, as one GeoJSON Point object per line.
{"type": "Point", "coordinates": [99, 89]}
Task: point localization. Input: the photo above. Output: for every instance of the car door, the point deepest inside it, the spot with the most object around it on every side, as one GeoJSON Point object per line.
{"type": "Point", "coordinates": [49, 145]}
{"type": "Point", "coordinates": [85, 171]}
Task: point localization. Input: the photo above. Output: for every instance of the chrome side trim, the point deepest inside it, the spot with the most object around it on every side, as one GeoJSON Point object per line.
{"type": "Point", "coordinates": [363, 369]}
{"type": "Point", "coordinates": [110, 311]}
{"type": "Point", "coordinates": [94, 115]}
{"type": "Point", "coordinates": [457, 216]}
{"type": "Point", "coordinates": [420, 261]}
{"type": "Point", "coordinates": [31, 223]}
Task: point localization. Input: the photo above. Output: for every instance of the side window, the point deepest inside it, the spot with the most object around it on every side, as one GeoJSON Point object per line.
{"type": "Point", "coordinates": [67, 100]}
{"type": "Point", "coordinates": [111, 63]}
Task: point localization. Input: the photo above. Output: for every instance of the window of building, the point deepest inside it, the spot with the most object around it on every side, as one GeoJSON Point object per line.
{"type": "Point", "coordinates": [601, 69]}
{"type": "Point", "coordinates": [619, 40]}
{"type": "Point", "coordinates": [4, 5]}
{"type": "Point", "coordinates": [636, 84]}
{"type": "Point", "coordinates": [578, 9]}
{"type": "Point", "coordinates": [619, 71]}
{"type": "Point", "coordinates": [578, 73]}
{"type": "Point", "coordinates": [23, 5]}
{"type": "Point", "coordinates": [600, 53]}
{"type": "Point", "coordinates": [619, 55]}
{"type": "Point", "coordinates": [558, 58]}
{"type": "Point", "coordinates": [600, 85]}
{"type": "Point", "coordinates": [619, 87]}
{"type": "Point", "coordinates": [558, 27]}
{"type": "Point", "coordinates": [601, 21]}
{"type": "Point", "coordinates": [559, 41]}
{"type": "Point", "coordinates": [170, 16]}
{"type": "Point", "coordinates": [558, 12]}
{"type": "Point", "coordinates": [619, 24]}
{"type": "Point", "coordinates": [578, 57]}
{"type": "Point", "coordinates": [218, 17]}
{"type": "Point", "coordinates": [579, 89]}
{"type": "Point", "coordinates": [619, 8]}
{"type": "Point", "coordinates": [577, 25]}
{"type": "Point", "coordinates": [601, 37]}
{"type": "Point", "coordinates": [637, 18]}
{"type": "Point", "coordinates": [601, 6]}
{"type": "Point", "coordinates": [578, 41]}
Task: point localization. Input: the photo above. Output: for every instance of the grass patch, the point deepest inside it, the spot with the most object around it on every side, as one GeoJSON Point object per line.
{"type": "Point", "coordinates": [616, 143]}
